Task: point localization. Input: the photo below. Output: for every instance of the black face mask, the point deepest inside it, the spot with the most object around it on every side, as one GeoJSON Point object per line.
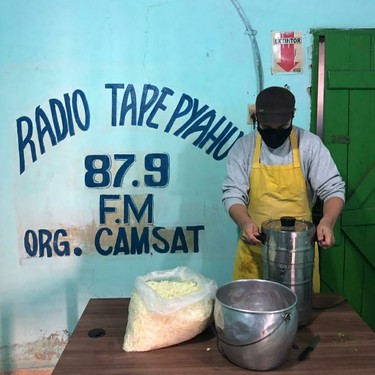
{"type": "Point", "coordinates": [274, 138]}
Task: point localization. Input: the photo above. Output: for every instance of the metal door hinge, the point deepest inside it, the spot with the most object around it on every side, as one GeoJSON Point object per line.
{"type": "Point", "coordinates": [340, 139]}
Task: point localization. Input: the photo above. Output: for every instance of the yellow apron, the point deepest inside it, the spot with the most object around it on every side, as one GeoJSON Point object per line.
{"type": "Point", "coordinates": [275, 191]}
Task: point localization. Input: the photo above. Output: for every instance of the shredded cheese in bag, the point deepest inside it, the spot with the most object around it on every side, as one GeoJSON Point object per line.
{"type": "Point", "coordinates": [171, 289]}
{"type": "Point", "coordinates": [148, 330]}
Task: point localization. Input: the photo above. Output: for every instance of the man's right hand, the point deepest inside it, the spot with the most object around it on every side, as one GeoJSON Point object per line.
{"type": "Point", "coordinates": [250, 233]}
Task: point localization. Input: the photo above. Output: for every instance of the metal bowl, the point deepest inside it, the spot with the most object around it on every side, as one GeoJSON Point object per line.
{"type": "Point", "coordinates": [256, 322]}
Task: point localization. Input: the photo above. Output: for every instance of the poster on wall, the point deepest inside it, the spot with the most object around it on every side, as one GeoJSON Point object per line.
{"type": "Point", "coordinates": [287, 52]}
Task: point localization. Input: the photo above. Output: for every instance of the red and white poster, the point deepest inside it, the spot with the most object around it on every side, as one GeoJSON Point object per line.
{"type": "Point", "coordinates": [287, 52]}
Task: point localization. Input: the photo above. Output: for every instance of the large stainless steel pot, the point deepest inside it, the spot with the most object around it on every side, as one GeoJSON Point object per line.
{"type": "Point", "coordinates": [256, 322]}
{"type": "Point", "coordinates": [288, 258]}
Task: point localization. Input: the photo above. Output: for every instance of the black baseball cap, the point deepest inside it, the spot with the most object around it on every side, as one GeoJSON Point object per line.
{"type": "Point", "coordinates": [275, 105]}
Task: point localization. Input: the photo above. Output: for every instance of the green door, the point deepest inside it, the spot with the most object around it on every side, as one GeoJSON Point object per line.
{"type": "Point", "coordinates": [343, 114]}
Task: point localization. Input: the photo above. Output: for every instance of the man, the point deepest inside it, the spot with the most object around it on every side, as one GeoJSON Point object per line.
{"type": "Point", "coordinates": [279, 170]}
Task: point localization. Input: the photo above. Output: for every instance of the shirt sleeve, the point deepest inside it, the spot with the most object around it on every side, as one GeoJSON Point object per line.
{"type": "Point", "coordinates": [320, 169]}
{"type": "Point", "coordinates": [235, 187]}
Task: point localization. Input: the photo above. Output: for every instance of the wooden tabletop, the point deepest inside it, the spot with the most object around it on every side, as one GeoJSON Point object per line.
{"type": "Point", "coordinates": [347, 346]}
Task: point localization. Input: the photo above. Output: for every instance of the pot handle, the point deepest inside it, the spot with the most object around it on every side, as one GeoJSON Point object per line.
{"type": "Point", "coordinates": [285, 318]}
{"type": "Point", "coordinates": [262, 237]}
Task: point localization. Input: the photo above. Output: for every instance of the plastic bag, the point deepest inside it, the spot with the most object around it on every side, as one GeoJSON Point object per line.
{"type": "Point", "coordinates": [167, 308]}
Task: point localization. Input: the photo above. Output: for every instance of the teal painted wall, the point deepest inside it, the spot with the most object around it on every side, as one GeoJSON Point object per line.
{"type": "Point", "coordinates": [67, 70]}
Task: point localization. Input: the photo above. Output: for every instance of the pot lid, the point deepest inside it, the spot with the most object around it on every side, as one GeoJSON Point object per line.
{"type": "Point", "coordinates": [287, 223]}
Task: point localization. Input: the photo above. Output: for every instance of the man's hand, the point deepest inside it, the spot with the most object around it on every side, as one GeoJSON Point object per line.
{"type": "Point", "coordinates": [324, 234]}
{"type": "Point", "coordinates": [249, 230]}
{"type": "Point", "coordinates": [250, 233]}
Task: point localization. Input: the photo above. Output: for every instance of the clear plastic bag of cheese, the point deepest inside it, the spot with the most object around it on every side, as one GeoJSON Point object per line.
{"type": "Point", "coordinates": [168, 307]}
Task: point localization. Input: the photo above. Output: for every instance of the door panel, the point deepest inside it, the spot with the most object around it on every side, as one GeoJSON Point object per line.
{"type": "Point", "coordinates": [358, 218]}
{"type": "Point", "coordinates": [368, 308]}
{"type": "Point", "coordinates": [354, 273]}
{"type": "Point", "coordinates": [349, 134]}
{"type": "Point", "coordinates": [351, 80]}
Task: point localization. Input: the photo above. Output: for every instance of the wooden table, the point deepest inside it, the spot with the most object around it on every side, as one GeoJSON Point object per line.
{"type": "Point", "coordinates": [347, 346]}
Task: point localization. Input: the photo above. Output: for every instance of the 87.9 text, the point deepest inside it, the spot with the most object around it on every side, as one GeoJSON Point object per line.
{"type": "Point", "coordinates": [102, 173]}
